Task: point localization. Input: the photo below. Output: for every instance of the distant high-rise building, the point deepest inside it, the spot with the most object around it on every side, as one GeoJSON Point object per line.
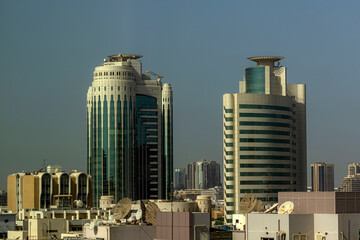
{"type": "Point", "coordinates": [353, 169]}
{"type": "Point", "coordinates": [3, 198]}
{"type": "Point", "coordinates": [190, 176]}
{"type": "Point", "coordinates": [180, 178]}
{"type": "Point", "coordinates": [351, 182]}
{"type": "Point", "coordinates": [322, 177]}
{"type": "Point", "coordinates": [129, 123]}
{"type": "Point", "coordinates": [264, 142]}
{"type": "Point", "coordinates": [203, 174]}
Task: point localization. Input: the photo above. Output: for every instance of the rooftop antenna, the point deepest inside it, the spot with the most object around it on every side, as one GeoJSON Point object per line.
{"type": "Point", "coordinates": [155, 75]}
{"type": "Point", "coordinates": [122, 208]}
{"type": "Point", "coordinates": [248, 203]}
{"type": "Point", "coordinates": [272, 208]}
{"type": "Point", "coordinates": [286, 208]}
{"type": "Point", "coordinates": [259, 206]}
{"type": "Point", "coordinates": [151, 210]}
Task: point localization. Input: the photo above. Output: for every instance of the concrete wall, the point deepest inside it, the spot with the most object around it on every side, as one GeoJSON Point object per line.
{"type": "Point", "coordinates": [330, 226]}
{"type": "Point", "coordinates": [266, 225]}
{"type": "Point", "coordinates": [134, 232]}
{"type": "Point", "coordinates": [18, 235]}
{"type": "Point", "coordinates": [301, 224]}
{"type": "Point", "coordinates": [44, 228]}
{"type": "Point", "coordinates": [182, 225]}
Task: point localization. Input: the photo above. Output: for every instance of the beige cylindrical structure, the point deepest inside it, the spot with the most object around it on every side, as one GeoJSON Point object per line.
{"type": "Point", "coordinates": [106, 202]}
{"type": "Point", "coordinates": [204, 203]}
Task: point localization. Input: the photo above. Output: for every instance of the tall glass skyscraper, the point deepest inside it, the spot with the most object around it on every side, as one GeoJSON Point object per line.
{"type": "Point", "coordinates": [129, 132]}
{"type": "Point", "coordinates": [264, 140]}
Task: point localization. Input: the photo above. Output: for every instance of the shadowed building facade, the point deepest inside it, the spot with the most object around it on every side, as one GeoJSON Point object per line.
{"type": "Point", "coordinates": [322, 177]}
{"type": "Point", "coordinates": [129, 123]}
{"type": "Point", "coordinates": [264, 141]}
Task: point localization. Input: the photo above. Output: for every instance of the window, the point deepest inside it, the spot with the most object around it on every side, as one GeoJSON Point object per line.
{"type": "Point", "coordinates": [229, 186]}
{"type": "Point", "coordinates": [229, 161]}
{"type": "Point", "coordinates": [229, 212]}
{"type": "Point", "coordinates": [261, 174]}
{"type": "Point", "coordinates": [229, 195]}
{"type": "Point", "coordinates": [229, 170]}
{"type": "Point", "coordinates": [270, 107]}
{"type": "Point", "coordinates": [229, 178]}
{"type": "Point", "coordinates": [229, 136]}
{"type": "Point", "coordinates": [269, 149]}
{"type": "Point", "coordinates": [229, 119]}
{"type": "Point", "coordinates": [229, 144]}
{"type": "Point", "coordinates": [229, 128]}
{"type": "Point", "coordinates": [263, 190]}
{"type": "Point", "coordinates": [265, 115]}
{"type": "Point", "coordinates": [265, 140]}
{"type": "Point", "coordinates": [255, 80]}
{"type": "Point", "coordinates": [265, 182]}
{"type": "Point", "coordinates": [264, 165]}
{"type": "Point", "coordinates": [265, 132]}
{"type": "Point", "coordinates": [229, 153]}
{"type": "Point", "coordinates": [228, 111]}
{"type": "Point", "coordinates": [271, 157]}
{"type": "Point", "coordinates": [229, 203]}
{"type": "Point", "coordinates": [272, 124]}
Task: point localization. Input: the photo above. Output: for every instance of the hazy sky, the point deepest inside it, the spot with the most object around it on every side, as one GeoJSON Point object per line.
{"type": "Point", "coordinates": [48, 50]}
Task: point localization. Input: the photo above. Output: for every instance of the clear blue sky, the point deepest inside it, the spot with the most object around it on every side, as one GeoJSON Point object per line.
{"type": "Point", "coordinates": [48, 50]}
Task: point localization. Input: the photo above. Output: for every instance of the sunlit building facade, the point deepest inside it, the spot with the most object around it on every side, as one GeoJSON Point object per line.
{"type": "Point", "coordinates": [129, 123]}
{"type": "Point", "coordinates": [264, 141]}
{"type": "Point", "coordinates": [48, 188]}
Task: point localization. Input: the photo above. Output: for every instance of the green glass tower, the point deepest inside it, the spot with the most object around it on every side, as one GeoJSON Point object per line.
{"type": "Point", "coordinates": [129, 132]}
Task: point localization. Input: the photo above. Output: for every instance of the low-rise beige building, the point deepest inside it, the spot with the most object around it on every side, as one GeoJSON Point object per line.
{"type": "Point", "coordinates": [47, 189]}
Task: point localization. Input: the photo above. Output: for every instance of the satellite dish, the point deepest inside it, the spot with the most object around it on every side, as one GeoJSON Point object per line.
{"type": "Point", "coordinates": [259, 206]}
{"type": "Point", "coordinates": [272, 208]}
{"type": "Point", "coordinates": [131, 219]}
{"type": "Point", "coordinates": [248, 203]}
{"type": "Point", "coordinates": [122, 208]}
{"type": "Point", "coordinates": [99, 223]}
{"type": "Point", "coordinates": [138, 214]}
{"type": "Point", "coordinates": [286, 208]}
{"type": "Point", "coordinates": [92, 225]}
{"type": "Point", "coordinates": [150, 214]}
{"type": "Point", "coordinates": [79, 203]}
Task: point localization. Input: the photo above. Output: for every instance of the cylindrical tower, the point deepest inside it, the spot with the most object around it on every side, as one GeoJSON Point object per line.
{"type": "Point", "coordinates": [264, 136]}
{"type": "Point", "coordinates": [110, 118]}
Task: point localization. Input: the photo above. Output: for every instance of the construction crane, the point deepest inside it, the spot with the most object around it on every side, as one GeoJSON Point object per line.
{"type": "Point", "coordinates": [155, 75]}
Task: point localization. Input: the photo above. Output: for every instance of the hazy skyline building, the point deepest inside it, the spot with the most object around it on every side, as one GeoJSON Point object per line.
{"type": "Point", "coordinates": [203, 174]}
{"type": "Point", "coordinates": [180, 178]}
{"type": "Point", "coordinates": [351, 182]}
{"type": "Point", "coordinates": [264, 141]}
{"type": "Point", "coordinates": [129, 123]}
{"type": "Point", "coordinates": [322, 177]}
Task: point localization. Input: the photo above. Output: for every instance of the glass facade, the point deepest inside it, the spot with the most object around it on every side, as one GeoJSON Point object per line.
{"type": "Point", "coordinates": [255, 80]}
{"type": "Point", "coordinates": [146, 139]}
{"type": "Point", "coordinates": [129, 133]}
{"type": "Point", "coordinates": [265, 115]}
